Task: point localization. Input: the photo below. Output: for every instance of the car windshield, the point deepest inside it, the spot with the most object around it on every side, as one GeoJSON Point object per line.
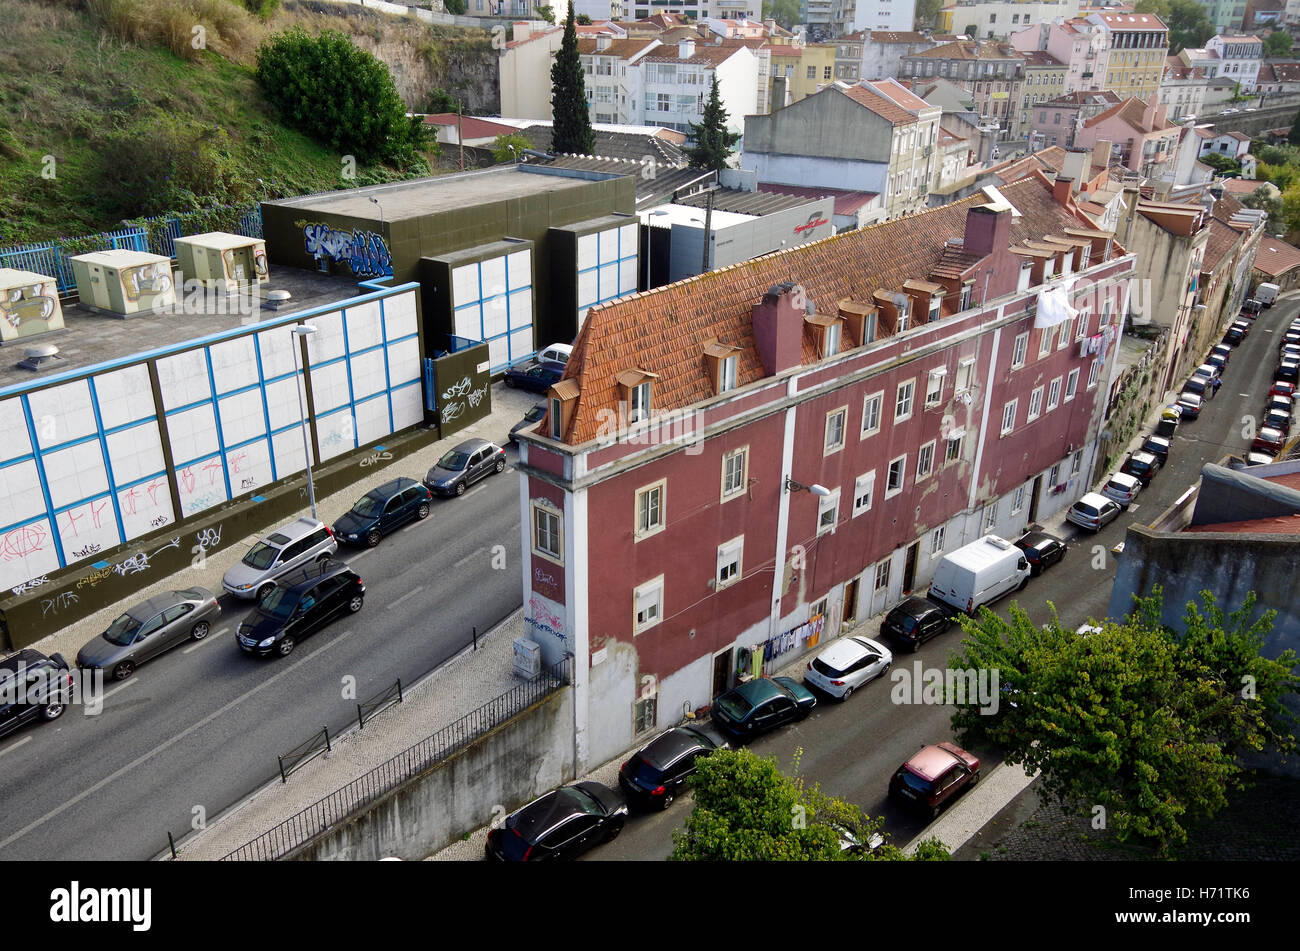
{"type": "Point", "coordinates": [581, 800]}
{"type": "Point", "coordinates": [122, 631]}
{"type": "Point", "coordinates": [261, 555]}
{"type": "Point", "coordinates": [906, 622]}
{"type": "Point", "coordinates": [368, 507]}
{"type": "Point", "coordinates": [454, 460]}
{"type": "Point", "coordinates": [734, 706]}
{"type": "Point", "coordinates": [278, 604]}
{"type": "Point", "coordinates": [1117, 486]}
{"type": "Point", "coordinates": [650, 775]}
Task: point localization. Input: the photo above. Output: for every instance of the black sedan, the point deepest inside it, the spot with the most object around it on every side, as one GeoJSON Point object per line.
{"type": "Point", "coordinates": [916, 620]}
{"type": "Point", "coordinates": [1141, 465]}
{"type": "Point", "coordinates": [562, 824]}
{"type": "Point", "coordinates": [32, 687]}
{"type": "Point", "coordinates": [656, 773]}
{"type": "Point", "coordinates": [1159, 447]}
{"type": "Point", "coordinates": [535, 376]}
{"type": "Point", "coordinates": [761, 705]}
{"type": "Point", "coordinates": [1041, 551]}
{"type": "Point", "coordinates": [531, 419]}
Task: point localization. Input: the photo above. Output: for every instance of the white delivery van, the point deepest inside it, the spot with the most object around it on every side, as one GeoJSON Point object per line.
{"type": "Point", "coordinates": [1266, 294]}
{"type": "Point", "coordinates": [979, 573]}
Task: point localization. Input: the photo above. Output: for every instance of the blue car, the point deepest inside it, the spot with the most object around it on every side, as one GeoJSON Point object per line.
{"type": "Point", "coordinates": [761, 705]}
{"type": "Point", "coordinates": [538, 377]}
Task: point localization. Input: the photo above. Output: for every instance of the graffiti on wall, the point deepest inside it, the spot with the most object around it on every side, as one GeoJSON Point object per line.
{"type": "Point", "coordinates": [363, 251]}
{"type": "Point", "coordinates": [452, 407]}
{"type": "Point", "coordinates": [29, 309]}
{"type": "Point", "coordinates": [152, 278]}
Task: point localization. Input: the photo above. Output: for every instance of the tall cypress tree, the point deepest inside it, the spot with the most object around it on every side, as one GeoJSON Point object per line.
{"type": "Point", "coordinates": [571, 128]}
{"type": "Point", "coordinates": [713, 140]}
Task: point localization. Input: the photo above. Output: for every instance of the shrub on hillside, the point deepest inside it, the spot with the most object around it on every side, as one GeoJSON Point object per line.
{"type": "Point", "coordinates": [179, 167]}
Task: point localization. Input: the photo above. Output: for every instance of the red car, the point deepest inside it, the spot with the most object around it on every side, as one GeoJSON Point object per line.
{"type": "Point", "coordinates": [1282, 388]}
{"type": "Point", "coordinates": [1269, 440]}
{"type": "Point", "coordinates": [934, 777]}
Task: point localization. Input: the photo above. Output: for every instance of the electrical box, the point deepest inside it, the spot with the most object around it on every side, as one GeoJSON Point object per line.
{"type": "Point", "coordinates": [124, 283]}
{"type": "Point", "coordinates": [29, 304]}
{"type": "Point", "coordinates": [528, 659]}
{"type": "Point", "coordinates": [223, 261]}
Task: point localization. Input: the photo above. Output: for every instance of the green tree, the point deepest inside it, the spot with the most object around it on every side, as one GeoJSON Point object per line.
{"type": "Point", "coordinates": [583, 20]}
{"type": "Point", "coordinates": [262, 9]}
{"type": "Point", "coordinates": [714, 142]}
{"type": "Point", "coordinates": [340, 95]}
{"type": "Point", "coordinates": [543, 12]}
{"type": "Point", "coordinates": [1294, 136]}
{"type": "Point", "coordinates": [439, 100]}
{"type": "Point", "coordinates": [501, 146]}
{"type": "Point", "coordinates": [925, 14]}
{"type": "Point", "coordinates": [748, 810]}
{"type": "Point", "coordinates": [457, 7]}
{"type": "Point", "coordinates": [571, 129]}
{"type": "Point", "coordinates": [1189, 26]}
{"type": "Point", "coordinates": [784, 12]}
{"type": "Point", "coordinates": [1221, 163]}
{"type": "Point", "coordinates": [1277, 44]}
{"type": "Point", "coordinates": [1133, 718]}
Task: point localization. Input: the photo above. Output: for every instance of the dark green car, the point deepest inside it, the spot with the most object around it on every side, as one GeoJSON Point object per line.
{"type": "Point", "coordinates": [383, 510]}
{"type": "Point", "coordinates": [758, 706]}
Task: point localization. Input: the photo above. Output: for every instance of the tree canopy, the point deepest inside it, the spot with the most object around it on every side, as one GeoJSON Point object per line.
{"type": "Point", "coordinates": [1277, 43]}
{"type": "Point", "coordinates": [713, 141]}
{"type": "Point", "coordinates": [1189, 25]}
{"type": "Point", "coordinates": [925, 14]}
{"type": "Point", "coordinates": [784, 12]}
{"type": "Point", "coordinates": [1132, 719]}
{"type": "Point", "coordinates": [571, 128]}
{"type": "Point", "coordinates": [502, 143]}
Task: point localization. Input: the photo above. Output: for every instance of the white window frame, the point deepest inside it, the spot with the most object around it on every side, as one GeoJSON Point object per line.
{"type": "Point", "coordinates": [1019, 350]}
{"type": "Point", "coordinates": [655, 586]}
{"type": "Point", "coordinates": [1071, 385]}
{"type": "Point", "coordinates": [738, 490]}
{"type": "Point", "coordinates": [730, 563]}
{"type": "Point", "coordinates": [951, 454]}
{"type": "Point", "coordinates": [1063, 339]}
{"type": "Point", "coordinates": [883, 568]}
{"type": "Point", "coordinates": [901, 415]}
{"type": "Point", "coordinates": [538, 511]}
{"type": "Point", "coordinates": [989, 518]}
{"type": "Point", "coordinates": [828, 505]}
{"type": "Point", "coordinates": [1009, 410]}
{"type": "Point", "coordinates": [555, 430]}
{"type": "Point", "coordinates": [1054, 475]}
{"type": "Point", "coordinates": [829, 448]}
{"type": "Point", "coordinates": [937, 540]}
{"type": "Point", "coordinates": [1018, 500]}
{"type": "Point", "coordinates": [1045, 341]}
{"type": "Point", "coordinates": [638, 531]}
{"type": "Point", "coordinates": [1035, 404]}
{"type": "Point", "coordinates": [965, 375]}
{"type": "Point", "coordinates": [831, 345]}
{"type": "Point", "coordinates": [934, 387]}
{"type": "Point", "coordinates": [727, 373]}
{"type": "Point", "coordinates": [925, 460]}
{"type": "Point", "coordinates": [864, 488]}
{"type": "Point", "coordinates": [1076, 462]}
{"type": "Point", "coordinates": [638, 407]}
{"type": "Point", "coordinates": [1026, 275]}
{"type": "Point", "coordinates": [1081, 326]}
{"type": "Point", "coordinates": [1094, 371]}
{"type": "Point", "coordinates": [872, 405]}
{"type": "Point", "coordinates": [902, 475]}
{"type": "Point", "coordinates": [1054, 394]}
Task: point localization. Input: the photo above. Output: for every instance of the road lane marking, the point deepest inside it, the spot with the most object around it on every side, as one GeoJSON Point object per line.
{"type": "Point", "coordinates": [145, 757]}
{"type": "Point", "coordinates": [207, 640]}
{"type": "Point", "coordinates": [410, 594]}
{"type": "Point", "coordinates": [14, 746]}
{"type": "Point", "coordinates": [474, 554]}
{"type": "Point", "coordinates": [120, 687]}
{"type": "Point", "coordinates": [361, 554]}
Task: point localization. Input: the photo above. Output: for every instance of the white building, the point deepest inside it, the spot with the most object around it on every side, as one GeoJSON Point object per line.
{"type": "Point", "coordinates": [524, 59]}
{"type": "Point", "coordinates": [850, 16]}
{"type": "Point", "coordinates": [1237, 58]}
{"type": "Point", "coordinates": [675, 83]}
{"type": "Point", "coordinates": [612, 76]}
{"type": "Point", "coordinates": [998, 19]}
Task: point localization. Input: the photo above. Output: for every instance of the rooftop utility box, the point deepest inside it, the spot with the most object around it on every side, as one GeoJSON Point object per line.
{"type": "Point", "coordinates": [124, 283]}
{"type": "Point", "coordinates": [29, 304]}
{"type": "Point", "coordinates": [219, 260]}
{"type": "Point", "coordinates": [528, 659]}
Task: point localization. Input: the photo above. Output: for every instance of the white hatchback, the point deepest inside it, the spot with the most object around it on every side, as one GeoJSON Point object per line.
{"type": "Point", "coordinates": [848, 664]}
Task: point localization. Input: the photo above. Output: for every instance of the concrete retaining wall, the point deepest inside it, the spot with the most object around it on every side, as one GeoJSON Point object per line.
{"type": "Point", "coordinates": [516, 762]}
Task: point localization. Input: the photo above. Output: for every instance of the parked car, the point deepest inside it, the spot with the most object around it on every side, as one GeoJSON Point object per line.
{"type": "Point", "coordinates": [1217, 360]}
{"type": "Point", "coordinates": [1269, 440]}
{"type": "Point", "coordinates": [562, 824]}
{"type": "Point", "coordinates": [1283, 404]}
{"type": "Point", "coordinates": [1243, 325]}
{"type": "Point", "coordinates": [534, 376]}
{"type": "Point", "coordinates": [1282, 388]}
{"type": "Point", "coordinates": [849, 663]}
{"type": "Point", "coordinates": [761, 705]}
{"type": "Point", "coordinates": [383, 510]}
{"type": "Point", "coordinates": [1093, 512]}
{"type": "Point", "coordinates": [1159, 447]}
{"type": "Point", "coordinates": [1277, 419]}
{"type": "Point", "coordinates": [1288, 371]}
{"type": "Point", "coordinates": [1289, 351]}
{"type": "Point", "coordinates": [1122, 488]}
{"type": "Point", "coordinates": [1266, 293]}
{"type": "Point", "coordinates": [1207, 370]}
{"type": "Point", "coordinates": [556, 353]}
{"type": "Point", "coordinates": [1233, 335]}
{"type": "Point", "coordinates": [1167, 426]}
{"type": "Point", "coordinates": [916, 620]}
{"type": "Point", "coordinates": [150, 628]}
{"type": "Point", "coordinates": [302, 603]}
{"type": "Point", "coordinates": [1255, 458]}
{"type": "Point", "coordinates": [656, 773]}
{"type": "Point", "coordinates": [301, 541]}
{"type": "Point", "coordinates": [1252, 306]}
{"type": "Point", "coordinates": [1041, 550]}
{"type": "Point", "coordinates": [978, 573]}
{"type": "Point", "coordinates": [1221, 350]}
{"type": "Point", "coordinates": [45, 684]}
{"type": "Point", "coordinates": [472, 460]}
{"type": "Point", "coordinates": [1200, 386]}
{"type": "Point", "coordinates": [934, 777]}
{"type": "Point", "coordinates": [1190, 404]}
{"type": "Point", "coordinates": [535, 414]}
{"type": "Point", "coordinates": [1289, 339]}
{"type": "Point", "coordinates": [1143, 465]}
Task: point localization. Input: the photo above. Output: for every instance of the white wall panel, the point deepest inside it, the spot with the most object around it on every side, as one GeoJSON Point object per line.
{"type": "Point", "coordinates": [241, 417]}
{"type": "Point", "coordinates": [249, 467]}
{"type": "Point", "coordinates": [13, 424]}
{"type": "Point", "coordinates": [404, 361]}
{"type": "Point", "coordinates": [183, 378]}
{"type": "Point", "coordinates": [464, 283]}
{"type": "Point", "coordinates": [135, 453]}
{"type": "Point", "coordinates": [282, 403]}
{"type": "Point", "coordinates": [368, 375]}
{"type": "Point", "coordinates": [498, 352]}
{"type": "Point", "coordinates": [521, 309]}
{"type": "Point", "coordinates": [27, 553]}
{"type": "Point", "coordinates": [329, 386]}
{"type": "Point", "coordinates": [399, 315]}
{"type": "Point", "coordinates": [327, 342]}
{"type": "Point", "coordinates": [608, 281]}
{"type": "Point", "coordinates": [124, 396]}
{"type": "Point", "coordinates": [88, 529]}
{"type": "Point", "coordinates": [520, 268]}
{"type": "Point", "coordinates": [587, 294]}
{"type": "Point", "coordinates": [521, 342]}
{"type": "Point", "coordinates": [494, 316]}
{"type": "Point", "coordinates": [75, 473]}
{"type": "Point", "coordinates": [277, 352]}
{"type": "Point", "coordinates": [588, 252]}
{"type": "Point", "coordinates": [201, 485]}
{"type": "Point", "coordinates": [468, 322]}
{"type": "Point", "coordinates": [234, 364]}
{"type": "Point", "coordinates": [608, 245]}
{"type": "Point", "coordinates": [288, 452]}
{"type": "Point", "coordinates": [192, 433]}
{"type": "Point", "coordinates": [492, 273]}
{"type": "Point", "coordinates": [408, 407]}
{"type": "Point", "coordinates": [628, 243]}
{"type": "Point", "coordinates": [145, 507]}
{"type": "Point", "coordinates": [626, 276]}
{"type": "Point", "coordinates": [62, 413]}
{"type": "Point", "coordinates": [20, 495]}
{"type": "Point", "coordinates": [336, 433]}
{"type": "Point", "coordinates": [363, 326]}
{"type": "Point", "coordinates": [372, 420]}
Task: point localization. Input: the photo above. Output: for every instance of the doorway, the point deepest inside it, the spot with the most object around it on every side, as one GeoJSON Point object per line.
{"type": "Point", "coordinates": [850, 603]}
{"type": "Point", "coordinates": [909, 567]}
{"type": "Point", "coordinates": [1033, 498]}
{"type": "Point", "coordinates": [721, 672]}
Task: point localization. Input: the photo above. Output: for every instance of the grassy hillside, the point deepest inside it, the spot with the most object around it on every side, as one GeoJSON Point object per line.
{"type": "Point", "coordinates": [101, 119]}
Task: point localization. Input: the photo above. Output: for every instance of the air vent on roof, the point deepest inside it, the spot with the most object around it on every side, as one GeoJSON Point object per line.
{"type": "Point", "coordinates": [277, 299]}
{"type": "Point", "coordinates": [40, 357]}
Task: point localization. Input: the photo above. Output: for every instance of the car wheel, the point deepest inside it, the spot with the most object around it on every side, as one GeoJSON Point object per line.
{"type": "Point", "coordinates": [285, 647]}
{"type": "Point", "coordinates": [263, 591]}
{"type": "Point", "coordinates": [423, 511]}
{"type": "Point", "coordinates": [501, 465]}
{"type": "Point", "coordinates": [322, 558]}
{"type": "Point", "coordinates": [916, 645]}
{"type": "Point", "coordinates": [614, 830]}
{"type": "Point", "coordinates": [460, 488]}
{"type": "Point", "coordinates": [52, 711]}
{"type": "Point", "coordinates": [974, 777]}
{"type": "Point", "coordinates": [200, 630]}
{"type": "Point", "coordinates": [510, 383]}
{"type": "Point", "coordinates": [355, 604]}
{"type": "Point", "coordinates": [666, 801]}
{"type": "Point", "coordinates": [1023, 582]}
{"type": "Point", "coordinates": [934, 813]}
{"type": "Point", "coordinates": [123, 670]}
{"type": "Point", "coordinates": [848, 692]}
{"type": "Point", "coordinates": [372, 538]}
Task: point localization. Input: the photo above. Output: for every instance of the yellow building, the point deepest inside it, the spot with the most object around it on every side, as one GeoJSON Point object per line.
{"type": "Point", "coordinates": [1044, 81]}
{"type": "Point", "coordinates": [806, 68]}
{"type": "Point", "coordinates": [1138, 46]}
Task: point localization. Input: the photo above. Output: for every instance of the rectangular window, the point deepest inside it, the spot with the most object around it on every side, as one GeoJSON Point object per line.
{"type": "Point", "coordinates": [1081, 328]}
{"type": "Point", "coordinates": [1071, 384]}
{"type": "Point", "coordinates": [1018, 500]}
{"type": "Point", "coordinates": [648, 605]}
{"type": "Point", "coordinates": [871, 414]}
{"type": "Point", "coordinates": [965, 299]}
{"type": "Point", "coordinates": [1054, 394]}
{"type": "Point", "coordinates": [925, 460]}
{"type": "Point", "coordinates": [897, 472]}
{"type": "Point", "coordinates": [882, 575]}
{"type": "Point", "coordinates": [936, 541]}
{"type": "Point", "coordinates": [832, 346]}
{"type": "Point", "coordinates": [903, 403]}
{"type": "Point", "coordinates": [727, 374]}
{"type": "Point", "coordinates": [729, 556]}
{"type": "Point", "coordinates": [826, 72]}
{"type": "Point", "coordinates": [1035, 404]}
{"type": "Point", "coordinates": [864, 486]}
{"type": "Point", "coordinates": [1076, 462]}
{"type": "Point", "coordinates": [1044, 342]}
{"type": "Point", "coordinates": [645, 715]}
{"type": "Point", "coordinates": [1063, 340]}
{"type": "Point", "coordinates": [965, 374]}
{"type": "Point", "coordinates": [1009, 417]}
{"type": "Point", "coordinates": [555, 419]}
{"type": "Point", "coordinates": [1019, 350]}
{"type": "Point", "coordinates": [1093, 371]}
{"type": "Point", "coordinates": [828, 510]}
{"type": "Point", "coordinates": [1053, 477]}
{"type": "Point", "coordinates": [650, 509]}
{"type": "Point", "coordinates": [548, 533]}
{"type": "Point", "coordinates": [1026, 272]}
{"type": "Point", "coordinates": [834, 440]}
{"type": "Point", "coordinates": [640, 408]}
{"type": "Point", "coordinates": [934, 386]}
{"type": "Point", "coordinates": [990, 517]}
{"type": "Point", "coordinates": [952, 447]}
{"type": "Point", "coordinates": [735, 470]}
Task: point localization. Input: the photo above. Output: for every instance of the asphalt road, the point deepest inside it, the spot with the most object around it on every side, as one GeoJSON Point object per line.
{"type": "Point", "coordinates": [202, 725]}
{"type": "Point", "coordinates": [852, 748]}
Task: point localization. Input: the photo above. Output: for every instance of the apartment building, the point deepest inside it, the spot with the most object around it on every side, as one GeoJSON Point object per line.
{"type": "Point", "coordinates": [1237, 58]}
{"type": "Point", "coordinates": [804, 68]}
{"type": "Point", "coordinates": [994, 73]}
{"type": "Point", "coordinates": [675, 84]}
{"type": "Point", "coordinates": [1077, 43]}
{"type": "Point", "coordinates": [613, 78]}
{"type": "Point", "coordinates": [931, 379]}
{"type": "Point", "coordinates": [869, 137]}
{"type": "Point", "coordinates": [1182, 89]}
{"type": "Point", "coordinates": [852, 16]}
{"type": "Point", "coordinates": [1056, 121]}
{"type": "Point", "coordinates": [998, 19]}
{"type": "Point", "coordinates": [1146, 140]}
{"type": "Point", "coordinates": [1044, 82]}
{"type": "Point", "coordinates": [1138, 45]}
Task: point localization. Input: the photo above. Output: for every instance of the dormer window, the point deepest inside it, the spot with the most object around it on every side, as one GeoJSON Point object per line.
{"type": "Point", "coordinates": [935, 303]}
{"type": "Point", "coordinates": [560, 403]}
{"type": "Point", "coordinates": [967, 291]}
{"type": "Point", "coordinates": [826, 332]}
{"type": "Point", "coordinates": [727, 375]}
{"type": "Point", "coordinates": [1049, 267]}
{"type": "Point", "coordinates": [1026, 272]}
{"type": "Point", "coordinates": [635, 387]}
{"type": "Point", "coordinates": [723, 365]}
{"type": "Point", "coordinates": [831, 346]}
{"type": "Point", "coordinates": [1083, 257]}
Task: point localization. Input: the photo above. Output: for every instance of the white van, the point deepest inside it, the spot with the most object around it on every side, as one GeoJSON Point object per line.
{"type": "Point", "coordinates": [1266, 294]}
{"type": "Point", "coordinates": [979, 573]}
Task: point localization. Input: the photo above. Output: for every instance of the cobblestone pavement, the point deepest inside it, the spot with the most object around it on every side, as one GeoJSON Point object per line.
{"type": "Point", "coordinates": [1260, 824]}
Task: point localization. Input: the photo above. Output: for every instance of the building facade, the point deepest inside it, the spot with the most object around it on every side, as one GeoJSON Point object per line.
{"type": "Point", "coordinates": [1138, 45]}
{"type": "Point", "coordinates": [994, 73]}
{"type": "Point", "coordinates": [851, 16]}
{"type": "Point", "coordinates": [998, 19]}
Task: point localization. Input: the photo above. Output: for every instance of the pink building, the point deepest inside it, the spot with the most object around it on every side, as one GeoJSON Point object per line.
{"type": "Point", "coordinates": [1055, 122]}
{"type": "Point", "coordinates": [923, 377]}
{"type": "Point", "coordinates": [1147, 141]}
{"type": "Point", "coordinates": [1080, 45]}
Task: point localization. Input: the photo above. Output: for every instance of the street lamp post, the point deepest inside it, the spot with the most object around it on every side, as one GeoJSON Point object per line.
{"type": "Point", "coordinates": [300, 332]}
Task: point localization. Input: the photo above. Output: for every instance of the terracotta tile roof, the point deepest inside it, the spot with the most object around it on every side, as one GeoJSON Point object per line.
{"type": "Point", "coordinates": [1241, 186]}
{"type": "Point", "coordinates": [1092, 98]}
{"type": "Point", "coordinates": [665, 330]}
{"type": "Point", "coordinates": [1273, 525]}
{"type": "Point", "coordinates": [875, 102]}
{"type": "Point", "coordinates": [1014, 169]}
{"type": "Point", "coordinates": [535, 36]}
{"type": "Point", "coordinates": [846, 202]}
{"type": "Point", "coordinates": [1266, 74]}
{"type": "Point", "coordinates": [1040, 58]}
{"type": "Point", "coordinates": [1286, 72]}
{"type": "Point", "coordinates": [1131, 112]}
{"type": "Point", "coordinates": [1222, 240]}
{"type": "Point", "coordinates": [1274, 257]}
{"type": "Point", "coordinates": [898, 36]}
{"type": "Point", "coordinates": [969, 49]}
{"type": "Point", "coordinates": [703, 56]}
{"type": "Point", "coordinates": [621, 48]}
{"type": "Point", "coordinates": [897, 93]}
{"type": "Point", "coordinates": [471, 126]}
{"type": "Point", "coordinates": [1131, 21]}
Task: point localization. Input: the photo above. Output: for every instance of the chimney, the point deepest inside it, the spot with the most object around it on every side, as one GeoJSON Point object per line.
{"type": "Point", "coordinates": [778, 328]}
{"type": "Point", "coordinates": [987, 229]}
{"type": "Point", "coordinates": [602, 42]}
{"type": "Point", "coordinates": [685, 49]}
{"type": "Point", "coordinates": [1062, 188]}
{"type": "Point", "coordinates": [1149, 114]}
{"type": "Point", "coordinates": [1101, 153]}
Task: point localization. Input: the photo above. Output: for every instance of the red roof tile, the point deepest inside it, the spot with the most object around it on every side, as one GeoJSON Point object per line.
{"type": "Point", "coordinates": [1275, 525]}
{"type": "Point", "coordinates": [1275, 257]}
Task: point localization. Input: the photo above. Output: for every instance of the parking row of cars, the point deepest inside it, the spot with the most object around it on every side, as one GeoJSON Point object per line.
{"type": "Point", "coordinates": [1275, 421]}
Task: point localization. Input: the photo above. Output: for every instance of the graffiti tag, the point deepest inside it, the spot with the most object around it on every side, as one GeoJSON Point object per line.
{"type": "Point", "coordinates": [86, 552]}
{"type": "Point", "coordinates": [375, 458]}
{"type": "Point", "coordinates": [65, 599]}
{"type": "Point", "coordinates": [29, 585]}
{"type": "Point", "coordinates": [208, 539]}
{"type": "Point", "coordinates": [364, 251]}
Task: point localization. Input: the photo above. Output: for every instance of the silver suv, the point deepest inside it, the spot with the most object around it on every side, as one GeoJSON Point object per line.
{"type": "Point", "coordinates": [298, 543]}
